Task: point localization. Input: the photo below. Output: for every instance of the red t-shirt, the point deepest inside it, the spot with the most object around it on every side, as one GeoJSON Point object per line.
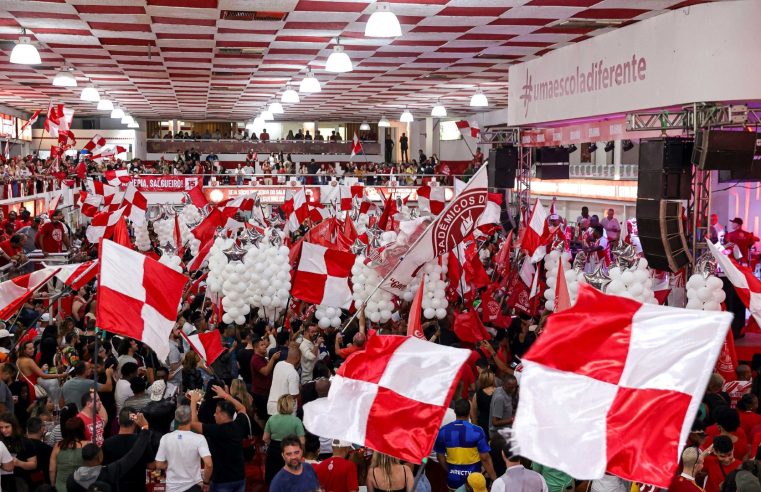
{"type": "Point", "coordinates": [337, 475]}
{"type": "Point", "coordinates": [9, 250]}
{"type": "Point", "coordinates": [260, 385]}
{"type": "Point", "coordinates": [21, 223]}
{"type": "Point", "coordinates": [99, 426]}
{"type": "Point", "coordinates": [748, 420]}
{"type": "Point", "coordinates": [344, 353]}
{"type": "Point", "coordinates": [717, 472]}
{"type": "Point", "coordinates": [682, 484]}
{"type": "Point", "coordinates": [51, 237]}
{"type": "Point", "coordinates": [741, 444]}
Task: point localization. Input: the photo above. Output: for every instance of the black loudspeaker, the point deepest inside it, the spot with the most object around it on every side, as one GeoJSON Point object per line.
{"type": "Point", "coordinates": [503, 163]}
{"type": "Point", "coordinates": [661, 234]}
{"type": "Point", "coordinates": [724, 149]}
{"type": "Point", "coordinates": [558, 171]}
{"type": "Point", "coordinates": [551, 154]}
{"type": "Point", "coordinates": [664, 169]}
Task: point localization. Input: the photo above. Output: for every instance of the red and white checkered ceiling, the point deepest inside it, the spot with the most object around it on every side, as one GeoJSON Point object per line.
{"type": "Point", "coordinates": [225, 59]}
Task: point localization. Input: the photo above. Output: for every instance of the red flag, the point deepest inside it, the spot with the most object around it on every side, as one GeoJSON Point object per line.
{"type": "Point", "coordinates": [727, 361]}
{"type": "Point", "coordinates": [196, 195]}
{"type": "Point", "coordinates": [502, 259]}
{"type": "Point", "coordinates": [356, 146]}
{"type": "Point", "coordinates": [15, 292]}
{"type": "Point", "coordinates": [562, 296]}
{"type": "Point", "coordinates": [468, 327]}
{"type": "Point", "coordinates": [323, 275]}
{"type": "Point", "coordinates": [208, 226]}
{"type": "Point", "coordinates": [121, 234]}
{"type": "Point", "coordinates": [416, 311]}
{"type": "Point", "coordinates": [32, 120]}
{"type": "Point", "coordinates": [386, 221]}
{"type": "Point", "coordinates": [178, 236]}
{"type": "Point", "coordinates": [207, 345]}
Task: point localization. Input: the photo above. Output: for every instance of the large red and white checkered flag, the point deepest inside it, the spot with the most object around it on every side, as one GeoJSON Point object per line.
{"type": "Point", "coordinates": [296, 211]}
{"type": "Point", "coordinates": [390, 397]}
{"type": "Point", "coordinates": [465, 125]}
{"type": "Point", "coordinates": [643, 367]}
{"type": "Point", "coordinates": [747, 286]}
{"type": "Point", "coordinates": [96, 142]}
{"type": "Point", "coordinates": [89, 203]}
{"type": "Point", "coordinates": [103, 225]}
{"type": "Point", "coordinates": [431, 199]}
{"type": "Point", "coordinates": [532, 240]}
{"type": "Point", "coordinates": [322, 276]}
{"type": "Point", "coordinates": [15, 292]}
{"type": "Point", "coordinates": [115, 177]}
{"type": "Point", "coordinates": [349, 193]}
{"type": "Point", "coordinates": [136, 204]}
{"type": "Point", "coordinates": [138, 297]}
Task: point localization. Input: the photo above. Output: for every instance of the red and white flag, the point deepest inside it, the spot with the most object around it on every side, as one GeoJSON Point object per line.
{"type": "Point", "coordinates": [115, 177]}
{"type": "Point", "coordinates": [465, 125]}
{"type": "Point", "coordinates": [431, 199]}
{"type": "Point", "coordinates": [747, 286]}
{"type": "Point", "coordinates": [562, 296]}
{"type": "Point", "coordinates": [491, 218]}
{"type": "Point", "coordinates": [138, 297]}
{"type": "Point", "coordinates": [414, 325]}
{"type": "Point", "coordinates": [89, 204]}
{"type": "Point", "coordinates": [32, 120]}
{"type": "Point", "coordinates": [207, 345]}
{"type": "Point", "coordinates": [77, 274]}
{"type": "Point", "coordinates": [349, 193]}
{"type": "Point", "coordinates": [296, 210]}
{"type": "Point", "coordinates": [615, 392]}
{"type": "Point", "coordinates": [356, 146]}
{"type": "Point", "coordinates": [322, 276]}
{"type": "Point", "coordinates": [390, 397]}
{"type": "Point", "coordinates": [15, 292]}
{"type": "Point", "coordinates": [532, 238]}
{"type": "Point", "coordinates": [103, 224]}
{"type": "Point", "coordinates": [95, 142]}
{"type": "Point", "coordinates": [136, 204]}
{"type": "Point", "coordinates": [58, 119]}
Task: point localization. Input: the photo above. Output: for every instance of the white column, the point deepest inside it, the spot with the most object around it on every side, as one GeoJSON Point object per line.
{"type": "Point", "coordinates": [601, 157]}
{"type": "Point", "coordinates": [617, 150]}
{"type": "Point", "coordinates": [429, 136]}
{"type": "Point", "coordinates": [382, 141]}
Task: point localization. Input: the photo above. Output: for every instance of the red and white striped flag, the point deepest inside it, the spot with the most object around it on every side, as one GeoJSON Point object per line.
{"type": "Point", "coordinates": [356, 146]}
{"type": "Point", "coordinates": [207, 345]}
{"type": "Point", "coordinates": [464, 125]}
{"type": "Point", "coordinates": [89, 204]}
{"type": "Point", "coordinates": [296, 210]}
{"type": "Point", "coordinates": [31, 121]}
{"type": "Point", "coordinates": [77, 274]}
{"type": "Point", "coordinates": [138, 297]}
{"type": "Point", "coordinates": [118, 176]}
{"type": "Point", "coordinates": [747, 286]}
{"type": "Point", "coordinates": [103, 224]}
{"type": "Point", "coordinates": [15, 292]}
{"type": "Point", "coordinates": [532, 238]}
{"type": "Point", "coordinates": [490, 220]}
{"type": "Point", "coordinates": [322, 276]}
{"type": "Point", "coordinates": [431, 199]}
{"type": "Point", "coordinates": [402, 387]}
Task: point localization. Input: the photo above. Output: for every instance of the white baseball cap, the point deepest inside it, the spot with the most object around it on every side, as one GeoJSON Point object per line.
{"type": "Point", "coordinates": [5, 333]}
{"type": "Point", "coordinates": [45, 317]}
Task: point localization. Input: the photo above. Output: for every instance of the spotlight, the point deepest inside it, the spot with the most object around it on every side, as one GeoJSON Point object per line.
{"type": "Point", "coordinates": [572, 148]}
{"type": "Point", "coordinates": [609, 146]}
{"type": "Point", "coordinates": [627, 145]}
{"type": "Point", "coordinates": [592, 147]}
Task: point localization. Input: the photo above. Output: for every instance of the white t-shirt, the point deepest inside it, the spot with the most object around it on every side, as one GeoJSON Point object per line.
{"type": "Point", "coordinates": [122, 391]}
{"type": "Point", "coordinates": [5, 456]}
{"type": "Point", "coordinates": [285, 381]}
{"type": "Point", "coordinates": [308, 360]}
{"type": "Point", "coordinates": [183, 451]}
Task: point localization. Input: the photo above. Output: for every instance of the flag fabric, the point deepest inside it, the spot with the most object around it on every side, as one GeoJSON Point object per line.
{"type": "Point", "coordinates": [205, 231]}
{"type": "Point", "coordinates": [322, 276]}
{"type": "Point", "coordinates": [614, 392]}
{"type": "Point", "coordinates": [53, 205]}
{"type": "Point", "coordinates": [89, 204]}
{"type": "Point", "coordinates": [532, 238]}
{"type": "Point", "coordinates": [15, 292]}
{"type": "Point", "coordinates": [414, 319]}
{"type": "Point", "coordinates": [356, 146]}
{"type": "Point", "coordinates": [102, 225]}
{"type": "Point", "coordinates": [203, 253]}
{"type": "Point", "coordinates": [136, 204]}
{"type": "Point", "coordinates": [445, 232]}
{"type": "Point", "coordinates": [502, 259]}
{"type": "Point", "coordinates": [66, 139]}
{"type": "Point", "coordinates": [120, 234]}
{"type": "Point", "coordinates": [349, 193]}
{"type": "Point", "coordinates": [32, 120]}
{"type": "Point", "coordinates": [468, 327]}
{"type": "Point", "coordinates": [96, 142]}
{"type": "Point", "coordinates": [562, 296]}
{"type": "Point", "coordinates": [138, 297]}
{"type": "Point", "coordinates": [465, 125]}
{"type": "Point", "coordinates": [54, 118]}
{"type": "Point", "coordinates": [747, 286]}
{"type": "Point", "coordinates": [207, 345]}
{"type": "Point", "coordinates": [726, 364]}
{"type": "Point", "coordinates": [397, 389]}
{"type": "Point", "coordinates": [431, 199]}
{"type": "Point", "coordinates": [390, 209]}
{"type": "Point", "coordinates": [196, 195]}
{"type": "Point", "coordinates": [490, 220]}
{"type": "Point", "coordinates": [115, 177]}
{"type": "Point", "coordinates": [75, 275]}
{"type": "Point", "coordinates": [296, 210]}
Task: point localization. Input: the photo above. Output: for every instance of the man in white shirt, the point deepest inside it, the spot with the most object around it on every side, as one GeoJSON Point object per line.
{"type": "Point", "coordinates": [285, 379]}
{"type": "Point", "coordinates": [123, 389]}
{"type": "Point", "coordinates": [310, 347]}
{"type": "Point", "coordinates": [181, 453]}
{"type": "Point", "coordinates": [516, 477]}
{"type": "Point", "coordinates": [612, 226]}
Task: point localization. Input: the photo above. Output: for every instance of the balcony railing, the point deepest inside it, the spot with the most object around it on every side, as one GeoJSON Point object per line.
{"type": "Point", "coordinates": [158, 146]}
{"type": "Point", "coordinates": [626, 171]}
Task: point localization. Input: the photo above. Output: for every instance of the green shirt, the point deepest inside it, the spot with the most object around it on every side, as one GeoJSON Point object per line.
{"type": "Point", "coordinates": [280, 426]}
{"type": "Point", "coordinates": [557, 481]}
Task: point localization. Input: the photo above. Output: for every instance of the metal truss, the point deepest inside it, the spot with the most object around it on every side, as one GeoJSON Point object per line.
{"type": "Point", "coordinates": [693, 117]}
{"type": "Point", "coordinates": [520, 196]}
{"type": "Point", "coordinates": [698, 210]}
{"type": "Point", "coordinates": [500, 135]}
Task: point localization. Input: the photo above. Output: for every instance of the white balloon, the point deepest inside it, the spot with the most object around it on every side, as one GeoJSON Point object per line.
{"type": "Point", "coordinates": [616, 287]}
{"type": "Point", "coordinates": [635, 289]}
{"type": "Point", "coordinates": [386, 314]}
{"type": "Point", "coordinates": [407, 296]}
{"type": "Point", "coordinates": [441, 313]}
{"type": "Point", "coordinates": [694, 304]}
{"type": "Point", "coordinates": [324, 323]}
{"type": "Point", "coordinates": [240, 320]}
{"type": "Point", "coordinates": [627, 277]}
{"type": "Point", "coordinates": [549, 305]}
{"type": "Point", "coordinates": [718, 296]}
{"type": "Point", "coordinates": [429, 313]}
{"type": "Point", "coordinates": [375, 317]}
{"type": "Point", "coordinates": [226, 318]}
{"type": "Point", "coordinates": [335, 322]}
{"type": "Point", "coordinates": [705, 294]}
{"type": "Point", "coordinates": [711, 306]}
{"type": "Point", "coordinates": [266, 300]}
{"type": "Point", "coordinates": [330, 312]}
{"type": "Point", "coordinates": [714, 283]}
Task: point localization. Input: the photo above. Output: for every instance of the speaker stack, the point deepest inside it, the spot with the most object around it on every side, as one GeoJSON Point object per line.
{"type": "Point", "coordinates": [503, 164]}
{"type": "Point", "coordinates": [664, 180]}
{"type": "Point", "coordinates": [552, 163]}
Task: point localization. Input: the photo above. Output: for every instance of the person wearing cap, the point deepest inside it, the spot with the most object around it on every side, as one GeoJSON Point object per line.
{"type": "Point", "coordinates": [517, 477]}
{"type": "Point", "coordinates": [338, 474]}
{"type": "Point", "coordinates": [160, 410]}
{"type": "Point", "coordinates": [476, 482]}
{"type": "Point", "coordinates": [692, 463]}
{"type": "Point", "coordinates": [737, 236]}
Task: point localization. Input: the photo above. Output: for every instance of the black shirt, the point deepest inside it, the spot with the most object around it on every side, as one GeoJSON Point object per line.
{"type": "Point", "coordinates": [244, 364]}
{"type": "Point", "coordinates": [226, 447]}
{"type": "Point", "coordinates": [117, 446]}
{"type": "Point", "coordinates": [40, 475]}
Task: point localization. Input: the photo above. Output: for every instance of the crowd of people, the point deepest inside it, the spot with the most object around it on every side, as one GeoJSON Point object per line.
{"type": "Point", "coordinates": [263, 136]}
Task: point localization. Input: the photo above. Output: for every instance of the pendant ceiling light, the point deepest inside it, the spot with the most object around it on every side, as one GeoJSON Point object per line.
{"type": "Point", "coordinates": [105, 105]}
{"type": "Point", "coordinates": [309, 84]}
{"type": "Point", "coordinates": [338, 61]}
{"type": "Point", "coordinates": [25, 53]}
{"type": "Point", "coordinates": [90, 94]}
{"type": "Point", "coordinates": [383, 23]}
{"type": "Point", "coordinates": [406, 116]}
{"type": "Point", "coordinates": [439, 111]}
{"type": "Point", "coordinates": [126, 119]}
{"type": "Point", "coordinates": [258, 121]}
{"type": "Point", "coordinates": [383, 122]}
{"type": "Point", "coordinates": [276, 108]}
{"type": "Point", "coordinates": [364, 127]}
{"type": "Point", "coordinates": [117, 113]}
{"type": "Point", "coordinates": [290, 96]}
{"type": "Point", "coordinates": [479, 99]}
{"type": "Point", "coordinates": [64, 78]}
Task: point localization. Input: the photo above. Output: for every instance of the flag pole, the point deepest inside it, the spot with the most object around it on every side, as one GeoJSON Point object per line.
{"type": "Point", "coordinates": [419, 474]}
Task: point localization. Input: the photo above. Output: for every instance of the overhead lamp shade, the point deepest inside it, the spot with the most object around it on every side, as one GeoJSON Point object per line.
{"type": "Point", "coordinates": [90, 94]}
{"type": "Point", "coordinates": [64, 78]}
{"type": "Point", "coordinates": [105, 105]}
{"type": "Point", "coordinates": [276, 108]}
{"type": "Point", "coordinates": [383, 122]}
{"type": "Point", "coordinates": [25, 53]}
{"type": "Point", "coordinates": [406, 117]}
{"type": "Point", "coordinates": [309, 84]}
{"type": "Point", "coordinates": [365, 126]}
{"type": "Point", "coordinates": [383, 23]}
{"type": "Point", "coordinates": [133, 124]}
{"type": "Point", "coordinates": [117, 113]}
{"type": "Point", "coordinates": [439, 111]}
{"type": "Point", "coordinates": [338, 61]}
{"type": "Point", "coordinates": [126, 119]}
{"type": "Point", "coordinates": [290, 96]}
{"type": "Point", "coordinates": [267, 115]}
{"type": "Point", "coordinates": [479, 100]}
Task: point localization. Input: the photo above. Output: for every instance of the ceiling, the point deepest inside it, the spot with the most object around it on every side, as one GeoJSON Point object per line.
{"type": "Point", "coordinates": [184, 59]}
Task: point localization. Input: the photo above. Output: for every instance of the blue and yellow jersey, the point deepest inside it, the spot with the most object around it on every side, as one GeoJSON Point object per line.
{"type": "Point", "coordinates": [462, 443]}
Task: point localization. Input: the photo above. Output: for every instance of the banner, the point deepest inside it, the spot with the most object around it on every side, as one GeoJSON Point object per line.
{"type": "Point", "coordinates": [168, 183]}
{"type": "Point", "coordinates": [628, 69]}
{"type": "Point", "coordinates": [266, 194]}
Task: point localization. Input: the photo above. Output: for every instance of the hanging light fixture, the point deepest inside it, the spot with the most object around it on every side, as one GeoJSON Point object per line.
{"type": "Point", "coordinates": [309, 84]}
{"type": "Point", "coordinates": [383, 122]}
{"type": "Point", "coordinates": [479, 99]}
{"type": "Point", "coordinates": [338, 61]}
{"type": "Point", "coordinates": [364, 127]}
{"type": "Point", "coordinates": [105, 105]}
{"type": "Point", "coordinates": [406, 116]}
{"type": "Point", "coordinates": [25, 53]}
{"type": "Point", "coordinates": [439, 111]}
{"type": "Point", "coordinates": [126, 119]}
{"type": "Point", "coordinates": [117, 113]}
{"type": "Point", "coordinates": [90, 94]}
{"type": "Point", "coordinates": [64, 78]}
{"type": "Point", "coordinates": [267, 115]}
{"type": "Point", "coordinates": [275, 108]}
{"type": "Point", "coordinates": [290, 96]}
{"type": "Point", "coordinates": [383, 23]}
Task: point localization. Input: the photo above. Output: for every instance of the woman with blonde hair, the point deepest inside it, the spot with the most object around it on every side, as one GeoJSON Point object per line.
{"type": "Point", "coordinates": [239, 392]}
{"type": "Point", "coordinates": [279, 426]}
{"type": "Point", "coordinates": [387, 474]}
{"type": "Point", "coordinates": [481, 401]}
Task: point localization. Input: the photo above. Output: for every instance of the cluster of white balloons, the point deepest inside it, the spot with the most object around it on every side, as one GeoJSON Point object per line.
{"type": "Point", "coordinates": [270, 275]}
{"type": "Point", "coordinates": [552, 264]}
{"type": "Point", "coordinates": [328, 316]}
{"type": "Point", "coordinates": [164, 230]}
{"type": "Point", "coordinates": [217, 263]}
{"type": "Point", "coordinates": [705, 293]}
{"type": "Point", "coordinates": [387, 237]}
{"type": "Point", "coordinates": [361, 224]}
{"type": "Point", "coordinates": [190, 215]}
{"type": "Point", "coordinates": [635, 283]}
{"type": "Point", "coordinates": [380, 305]}
{"type": "Point", "coordinates": [434, 292]}
{"type": "Point", "coordinates": [235, 288]}
{"type": "Point", "coordinates": [172, 261]}
{"type": "Point", "coordinates": [142, 237]}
